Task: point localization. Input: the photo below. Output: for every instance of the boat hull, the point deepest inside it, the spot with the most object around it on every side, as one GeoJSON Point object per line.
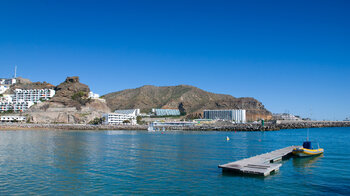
{"type": "Point", "coordinates": [304, 152]}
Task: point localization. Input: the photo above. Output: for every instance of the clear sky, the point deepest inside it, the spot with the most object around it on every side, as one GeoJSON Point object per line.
{"type": "Point", "coordinates": [293, 56]}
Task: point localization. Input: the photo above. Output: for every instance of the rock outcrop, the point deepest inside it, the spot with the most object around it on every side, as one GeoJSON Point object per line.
{"type": "Point", "coordinates": [69, 105]}
{"type": "Point", "coordinates": [188, 99]}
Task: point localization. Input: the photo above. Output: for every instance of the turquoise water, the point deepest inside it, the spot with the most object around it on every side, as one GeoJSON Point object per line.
{"type": "Point", "coordinates": [138, 162]}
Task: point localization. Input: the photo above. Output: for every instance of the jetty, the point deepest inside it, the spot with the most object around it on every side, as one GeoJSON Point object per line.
{"type": "Point", "coordinates": [262, 165]}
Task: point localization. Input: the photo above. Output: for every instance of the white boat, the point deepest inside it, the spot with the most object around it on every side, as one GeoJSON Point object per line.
{"type": "Point", "coordinates": [151, 127]}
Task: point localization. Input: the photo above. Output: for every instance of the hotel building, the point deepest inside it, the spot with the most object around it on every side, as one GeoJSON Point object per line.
{"type": "Point", "coordinates": [19, 106]}
{"type": "Point", "coordinates": [117, 119]}
{"type": "Point", "coordinates": [34, 95]}
{"type": "Point", "coordinates": [13, 118]}
{"type": "Point", "coordinates": [238, 116]}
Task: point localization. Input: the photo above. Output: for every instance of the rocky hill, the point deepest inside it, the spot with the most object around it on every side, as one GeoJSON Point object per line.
{"type": "Point", "coordinates": [69, 105]}
{"type": "Point", "coordinates": [188, 99]}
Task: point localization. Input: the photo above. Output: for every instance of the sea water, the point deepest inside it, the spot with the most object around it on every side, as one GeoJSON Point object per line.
{"type": "Point", "coordinates": [175, 162]}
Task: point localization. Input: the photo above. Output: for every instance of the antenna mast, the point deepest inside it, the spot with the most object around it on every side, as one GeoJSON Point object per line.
{"type": "Point", "coordinates": [15, 71]}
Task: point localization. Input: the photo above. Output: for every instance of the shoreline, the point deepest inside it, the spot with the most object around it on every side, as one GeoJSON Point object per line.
{"type": "Point", "coordinates": [269, 126]}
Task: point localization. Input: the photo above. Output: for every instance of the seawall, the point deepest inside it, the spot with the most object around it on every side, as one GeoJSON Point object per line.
{"type": "Point", "coordinates": [29, 126]}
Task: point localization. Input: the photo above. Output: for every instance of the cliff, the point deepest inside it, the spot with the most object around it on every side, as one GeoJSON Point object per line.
{"type": "Point", "coordinates": [188, 99]}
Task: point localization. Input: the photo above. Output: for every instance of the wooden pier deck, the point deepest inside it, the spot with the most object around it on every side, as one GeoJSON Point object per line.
{"type": "Point", "coordinates": [263, 164]}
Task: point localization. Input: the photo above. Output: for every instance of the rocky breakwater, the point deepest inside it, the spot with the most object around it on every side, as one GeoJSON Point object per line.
{"type": "Point", "coordinates": [70, 105]}
{"type": "Point", "coordinates": [309, 124]}
{"type": "Point", "coordinates": [268, 126]}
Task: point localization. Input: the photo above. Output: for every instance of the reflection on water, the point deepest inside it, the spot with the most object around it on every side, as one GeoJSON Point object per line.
{"type": "Point", "coordinates": [305, 162]}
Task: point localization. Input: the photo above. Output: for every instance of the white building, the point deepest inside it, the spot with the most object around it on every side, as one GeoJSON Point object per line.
{"type": "Point", "coordinates": [34, 95]}
{"type": "Point", "coordinates": [13, 118]}
{"type": "Point", "coordinates": [132, 112]}
{"type": "Point", "coordinates": [238, 116]}
{"type": "Point", "coordinates": [3, 88]}
{"type": "Point", "coordinates": [93, 95]}
{"type": "Point", "coordinates": [19, 106]}
{"type": "Point", "coordinates": [7, 81]}
{"type": "Point", "coordinates": [6, 98]}
{"type": "Point", "coordinates": [172, 124]}
{"type": "Point", "coordinates": [117, 119]}
{"type": "Point", "coordinates": [286, 116]}
{"type": "Point", "coordinates": [23, 99]}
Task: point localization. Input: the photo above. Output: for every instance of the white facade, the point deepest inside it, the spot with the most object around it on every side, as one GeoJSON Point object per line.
{"type": "Point", "coordinates": [286, 116]}
{"type": "Point", "coordinates": [238, 116]}
{"type": "Point", "coordinates": [15, 106]}
{"type": "Point", "coordinates": [3, 88]}
{"type": "Point", "coordinates": [23, 99]}
{"type": "Point", "coordinates": [7, 81]}
{"type": "Point", "coordinates": [117, 119]}
{"type": "Point", "coordinates": [34, 95]}
{"type": "Point", "coordinates": [6, 98]}
{"type": "Point", "coordinates": [93, 95]}
{"type": "Point", "coordinates": [13, 118]}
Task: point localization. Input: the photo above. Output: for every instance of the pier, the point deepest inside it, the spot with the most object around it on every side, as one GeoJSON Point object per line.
{"type": "Point", "coordinates": [262, 165]}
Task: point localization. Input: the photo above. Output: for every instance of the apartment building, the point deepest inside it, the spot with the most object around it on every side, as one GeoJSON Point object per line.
{"type": "Point", "coordinates": [19, 106]}
{"type": "Point", "coordinates": [34, 95]}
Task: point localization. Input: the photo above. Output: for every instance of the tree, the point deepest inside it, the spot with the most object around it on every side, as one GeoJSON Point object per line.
{"type": "Point", "coordinates": [97, 121]}
{"type": "Point", "coordinates": [81, 97]}
{"type": "Point", "coordinates": [126, 121]}
{"type": "Point", "coordinates": [139, 120]}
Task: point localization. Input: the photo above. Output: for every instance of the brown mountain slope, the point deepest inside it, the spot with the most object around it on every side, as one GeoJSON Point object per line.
{"type": "Point", "coordinates": [188, 99]}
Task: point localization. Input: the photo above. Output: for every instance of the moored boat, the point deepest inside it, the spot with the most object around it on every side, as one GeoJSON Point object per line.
{"type": "Point", "coordinates": [307, 150]}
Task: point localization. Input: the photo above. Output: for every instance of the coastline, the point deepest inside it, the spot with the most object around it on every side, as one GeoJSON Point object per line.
{"type": "Point", "coordinates": [269, 126]}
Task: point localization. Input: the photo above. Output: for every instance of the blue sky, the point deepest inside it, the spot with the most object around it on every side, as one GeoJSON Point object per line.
{"type": "Point", "coordinates": [293, 56]}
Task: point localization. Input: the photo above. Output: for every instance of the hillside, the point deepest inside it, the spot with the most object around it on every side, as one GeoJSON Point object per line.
{"type": "Point", "coordinates": [188, 99]}
{"type": "Point", "coordinates": [23, 83]}
{"type": "Point", "coordinates": [69, 105]}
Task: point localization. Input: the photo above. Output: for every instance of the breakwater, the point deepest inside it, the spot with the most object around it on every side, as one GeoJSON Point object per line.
{"type": "Point", "coordinates": [268, 126]}
{"type": "Point", "coordinates": [29, 126]}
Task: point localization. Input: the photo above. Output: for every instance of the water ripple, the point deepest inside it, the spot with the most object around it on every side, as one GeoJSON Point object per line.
{"type": "Point", "coordinates": [138, 162]}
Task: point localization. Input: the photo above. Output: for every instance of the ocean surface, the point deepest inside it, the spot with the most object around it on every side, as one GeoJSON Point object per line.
{"type": "Point", "coordinates": [173, 163]}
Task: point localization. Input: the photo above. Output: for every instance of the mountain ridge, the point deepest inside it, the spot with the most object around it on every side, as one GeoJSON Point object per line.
{"type": "Point", "coordinates": [188, 99]}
